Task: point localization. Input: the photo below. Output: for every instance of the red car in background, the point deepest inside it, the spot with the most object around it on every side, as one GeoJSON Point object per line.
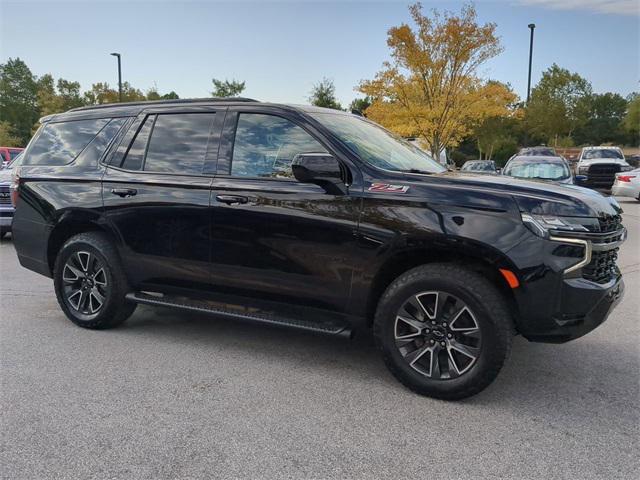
{"type": "Point", "coordinates": [9, 153]}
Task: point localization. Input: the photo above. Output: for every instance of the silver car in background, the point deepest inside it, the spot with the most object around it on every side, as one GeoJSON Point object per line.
{"type": "Point", "coordinates": [545, 168]}
{"type": "Point", "coordinates": [627, 184]}
{"type": "Point", "coordinates": [6, 207]}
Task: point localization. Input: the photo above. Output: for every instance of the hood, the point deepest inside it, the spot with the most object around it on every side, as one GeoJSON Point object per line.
{"type": "Point", "coordinates": [537, 197]}
{"type": "Point", "coordinates": [5, 175]}
{"type": "Point", "coordinates": [595, 161]}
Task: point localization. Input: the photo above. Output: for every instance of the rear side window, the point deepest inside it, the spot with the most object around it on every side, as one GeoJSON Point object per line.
{"type": "Point", "coordinates": [94, 151]}
{"type": "Point", "coordinates": [179, 143]}
{"type": "Point", "coordinates": [171, 143]}
{"type": "Point", "coordinates": [60, 143]}
{"type": "Point", "coordinates": [135, 156]}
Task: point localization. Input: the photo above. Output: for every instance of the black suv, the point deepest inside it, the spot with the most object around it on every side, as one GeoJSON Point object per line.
{"type": "Point", "coordinates": [314, 219]}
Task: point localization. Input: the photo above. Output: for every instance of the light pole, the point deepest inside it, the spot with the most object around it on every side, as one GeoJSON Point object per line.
{"type": "Point", "coordinates": [532, 27]}
{"type": "Point", "coordinates": [120, 77]}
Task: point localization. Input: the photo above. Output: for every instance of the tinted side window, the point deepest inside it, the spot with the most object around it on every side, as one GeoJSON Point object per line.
{"type": "Point", "coordinates": [179, 143]}
{"type": "Point", "coordinates": [135, 155]}
{"type": "Point", "coordinates": [94, 151]}
{"type": "Point", "coordinates": [265, 146]}
{"type": "Point", "coordinates": [60, 143]}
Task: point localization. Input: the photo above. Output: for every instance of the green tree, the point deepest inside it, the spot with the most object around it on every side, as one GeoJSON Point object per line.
{"type": "Point", "coordinates": [18, 98]}
{"type": "Point", "coordinates": [102, 93]}
{"type": "Point", "coordinates": [48, 100]}
{"type": "Point", "coordinates": [495, 135]}
{"type": "Point", "coordinates": [631, 121]}
{"type": "Point", "coordinates": [57, 99]}
{"type": "Point", "coordinates": [69, 92]}
{"type": "Point", "coordinates": [7, 138]}
{"type": "Point", "coordinates": [559, 105]}
{"type": "Point", "coordinates": [360, 104]}
{"type": "Point", "coordinates": [226, 88]}
{"type": "Point", "coordinates": [153, 94]}
{"type": "Point", "coordinates": [323, 94]}
{"type": "Point", "coordinates": [605, 120]}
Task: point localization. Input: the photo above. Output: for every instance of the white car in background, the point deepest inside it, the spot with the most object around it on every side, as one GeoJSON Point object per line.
{"type": "Point", "coordinates": [597, 166]}
{"type": "Point", "coordinates": [627, 184]}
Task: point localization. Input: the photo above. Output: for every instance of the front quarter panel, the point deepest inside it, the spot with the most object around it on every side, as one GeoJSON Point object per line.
{"type": "Point", "coordinates": [432, 217]}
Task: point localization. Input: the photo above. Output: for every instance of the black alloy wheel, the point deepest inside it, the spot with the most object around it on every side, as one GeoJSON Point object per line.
{"type": "Point", "coordinates": [85, 283]}
{"type": "Point", "coordinates": [438, 335]}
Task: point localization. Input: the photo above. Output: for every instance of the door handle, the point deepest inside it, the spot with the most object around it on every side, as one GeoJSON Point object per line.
{"type": "Point", "coordinates": [232, 199]}
{"type": "Point", "coordinates": [124, 192]}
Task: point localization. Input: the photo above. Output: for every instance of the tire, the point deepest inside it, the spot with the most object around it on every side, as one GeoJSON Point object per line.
{"type": "Point", "coordinates": [101, 302]}
{"type": "Point", "coordinates": [3, 234]}
{"type": "Point", "coordinates": [451, 360]}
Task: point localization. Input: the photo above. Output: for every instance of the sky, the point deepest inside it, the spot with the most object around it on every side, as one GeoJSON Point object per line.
{"type": "Point", "coordinates": [282, 48]}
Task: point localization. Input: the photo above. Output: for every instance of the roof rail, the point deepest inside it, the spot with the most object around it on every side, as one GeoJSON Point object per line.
{"type": "Point", "coordinates": [163, 102]}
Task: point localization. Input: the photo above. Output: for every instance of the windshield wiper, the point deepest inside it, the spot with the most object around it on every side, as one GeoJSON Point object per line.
{"type": "Point", "coordinates": [415, 170]}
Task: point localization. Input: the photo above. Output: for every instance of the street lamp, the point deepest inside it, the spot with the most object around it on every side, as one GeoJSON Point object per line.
{"type": "Point", "coordinates": [119, 77]}
{"type": "Point", "coordinates": [532, 27]}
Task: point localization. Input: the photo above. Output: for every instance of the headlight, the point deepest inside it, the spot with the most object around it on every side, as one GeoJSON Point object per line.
{"type": "Point", "coordinates": [545, 225]}
{"type": "Point", "coordinates": [583, 170]}
{"type": "Point", "coordinates": [626, 168]}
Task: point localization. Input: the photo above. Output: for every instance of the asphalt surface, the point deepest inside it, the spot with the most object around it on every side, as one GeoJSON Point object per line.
{"type": "Point", "coordinates": [170, 395]}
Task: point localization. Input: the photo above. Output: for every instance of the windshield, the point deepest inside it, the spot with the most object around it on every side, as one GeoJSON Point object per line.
{"type": "Point", "coordinates": [538, 151]}
{"type": "Point", "coordinates": [602, 153]}
{"type": "Point", "coordinates": [479, 166]}
{"type": "Point", "coordinates": [14, 153]}
{"type": "Point", "coordinates": [377, 146]}
{"type": "Point", "coordinates": [541, 170]}
{"type": "Point", "coordinates": [17, 160]}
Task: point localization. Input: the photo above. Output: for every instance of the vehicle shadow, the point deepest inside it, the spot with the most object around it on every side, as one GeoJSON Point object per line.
{"type": "Point", "coordinates": [535, 377]}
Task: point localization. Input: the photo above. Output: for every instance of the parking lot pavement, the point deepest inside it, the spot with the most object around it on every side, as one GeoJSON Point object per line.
{"type": "Point", "coordinates": [170, 395]}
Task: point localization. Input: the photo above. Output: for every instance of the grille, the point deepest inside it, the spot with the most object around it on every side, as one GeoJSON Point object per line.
{"type": "Point", "coordinates": [602, 266]}
{"type": "Point", "coordinates": [5, 196]}
{"type": "Point", "coordinates": [602, 175]}
{"type": "Point", "coordinates": [610, 223]}
{"type": "Point", "coordinates": [607, 169]}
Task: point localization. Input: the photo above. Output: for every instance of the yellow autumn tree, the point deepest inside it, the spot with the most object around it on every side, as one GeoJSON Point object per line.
{"type": "Point", "coordinates": [430, 89]}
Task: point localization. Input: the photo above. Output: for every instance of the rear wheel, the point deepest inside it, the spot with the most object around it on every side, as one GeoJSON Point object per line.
{"type": "Point", "coordinates": [90, 283]}
{"type": "Point", "coordinates": [444, 331]}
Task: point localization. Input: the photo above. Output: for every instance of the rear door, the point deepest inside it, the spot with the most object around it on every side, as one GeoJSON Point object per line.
{"type": "Point", "coordinates": [156, 196]}
{"type": "Point", "coordinates": [274, 238]}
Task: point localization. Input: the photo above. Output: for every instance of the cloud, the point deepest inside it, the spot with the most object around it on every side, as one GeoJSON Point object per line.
{"type": "Point", "coordinates": [622, 7]}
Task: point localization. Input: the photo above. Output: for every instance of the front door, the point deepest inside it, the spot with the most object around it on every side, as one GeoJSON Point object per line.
{"type": "Point", "coordinates": [274, 238]}
{"type": "Point", "coordinates": [156, 197]}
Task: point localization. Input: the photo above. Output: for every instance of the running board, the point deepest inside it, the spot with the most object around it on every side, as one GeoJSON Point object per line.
{"type": "Point", "coordinates": [328, 327]}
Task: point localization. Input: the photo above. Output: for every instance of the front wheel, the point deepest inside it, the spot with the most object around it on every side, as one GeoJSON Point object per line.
{"type": "Point", "coordinates": [444, 330]}
{"type": "Point", "coordinates": [90, 283]}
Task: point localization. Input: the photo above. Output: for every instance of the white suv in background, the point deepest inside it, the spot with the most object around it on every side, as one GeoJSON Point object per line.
{"type": "Point", "coordinates": [599, 165]}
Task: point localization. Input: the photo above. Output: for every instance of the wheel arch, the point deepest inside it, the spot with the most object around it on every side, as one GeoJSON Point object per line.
{"type": "Point", "coordinates": [477, 257]}
{"type": "Point", "coordinates": [70, 224]}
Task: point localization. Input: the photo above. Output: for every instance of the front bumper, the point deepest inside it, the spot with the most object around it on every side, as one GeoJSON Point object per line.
{"type": "Point", "coordinates": [6, 217]}
{"type": "Point", "coordinates": [583, 305]}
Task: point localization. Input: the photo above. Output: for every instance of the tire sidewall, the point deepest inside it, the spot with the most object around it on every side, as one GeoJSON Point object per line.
{"type": "Point", "coordinates": [490, 339]}
{"type": "Point", "coordinates": [69, 249]}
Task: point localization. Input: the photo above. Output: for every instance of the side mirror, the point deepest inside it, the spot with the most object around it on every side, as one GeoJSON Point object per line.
{"type": "Point", "coordinates": [319, 168]}
{"type": "Point", "coordinates": [581, 178]}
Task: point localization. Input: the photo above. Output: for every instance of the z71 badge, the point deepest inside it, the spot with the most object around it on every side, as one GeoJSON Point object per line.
{"type": "Point", "coordinates": [388, 188]}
